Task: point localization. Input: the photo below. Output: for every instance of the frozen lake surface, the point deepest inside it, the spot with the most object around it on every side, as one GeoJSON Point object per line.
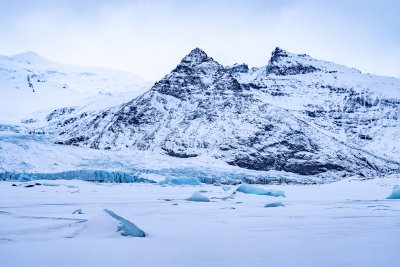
{"type": "Point", "coordinates": [78, 223]}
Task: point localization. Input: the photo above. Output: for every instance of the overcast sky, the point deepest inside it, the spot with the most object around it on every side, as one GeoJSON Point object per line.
{"type": "Point", "coordinates": [150, 37]}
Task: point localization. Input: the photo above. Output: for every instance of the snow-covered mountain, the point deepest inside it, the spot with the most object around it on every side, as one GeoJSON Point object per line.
{"type": "Point", "coordinates": [31, 83]}
{"type": "Point", "coordinates": [356, 108]}
{"type": "Point", "coordinates": [296, 114]}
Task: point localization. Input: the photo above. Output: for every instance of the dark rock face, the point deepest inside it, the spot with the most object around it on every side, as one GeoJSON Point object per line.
{"type": "Point", "coordinates": [58, 112]}
{"type": "Point", "coordinates": [196, 74]}
{"type": "Point", "coordinates": [283, 64]}
{"type": "Point", "coordinates": [202, 107]}
{"type": "Point", "coordinates": [290, 70]}
{"type": "Point", "coordinates": [238, 68]}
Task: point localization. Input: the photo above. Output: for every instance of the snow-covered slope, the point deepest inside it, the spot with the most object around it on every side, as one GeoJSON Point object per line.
{"type": "Point", "coordinates": [31, 83]}
{"type": "Point", "coordinates": [297, 114]}
{"type": "Point", "coordinates": [356, 108]}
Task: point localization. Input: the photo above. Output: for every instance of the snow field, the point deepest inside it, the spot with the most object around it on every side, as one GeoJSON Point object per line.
{"type": "Point", "coordinates": [349, 222]}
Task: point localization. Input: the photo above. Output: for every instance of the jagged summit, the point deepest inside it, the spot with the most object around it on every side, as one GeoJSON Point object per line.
{"type": "Point", "coordinates": [277, 54]}
{"type": "Point", "coordinates": [196, 74]}
{"type": "Point", "coordinates": [285, 63]}
{"type": "Point", "coordinates": [196, 56]}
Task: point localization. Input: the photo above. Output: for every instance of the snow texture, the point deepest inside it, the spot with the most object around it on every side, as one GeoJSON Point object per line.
{"type": "Point", "coordinates": [320, 225]}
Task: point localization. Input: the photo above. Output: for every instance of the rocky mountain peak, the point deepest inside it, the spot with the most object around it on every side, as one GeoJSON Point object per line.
{"type": "Point", "coordinates": [197, 74]}
{"type": "Point", "coordinates": [196, 56]}
{"type": "Point", "coordinates": [277, 54]}
{"type": "Point", "coordinates": [284, 63]}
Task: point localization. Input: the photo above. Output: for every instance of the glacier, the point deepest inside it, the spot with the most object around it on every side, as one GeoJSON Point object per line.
{"type": "Point", "coordinates": [84, 175]}
{"type": "Point", "coordinates": [25, 157]}
{"type": "Point", "coordinates": [180, 181]}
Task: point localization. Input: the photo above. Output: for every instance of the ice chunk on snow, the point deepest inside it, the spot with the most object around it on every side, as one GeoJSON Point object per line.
{"type": "Point", "coordinates": [78, 211]}
{"type": "Point", "coordinates": [196, 196]}
{"type": "Point", "coordinates": [249, 189]}
{"type": "Point", "coordinates": [226, 187]}
{"type": "Point", "coordinates": [180, 181]}
{"type": "Point", "coordinates": [395, 194]}
{"type": "Point", "coordinates": [126, 227]}
{"type": "Point", "coordinates": [274, 204]}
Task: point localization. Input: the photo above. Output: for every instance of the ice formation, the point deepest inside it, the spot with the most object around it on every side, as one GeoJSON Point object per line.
{"type": "Point", "coordinates": [197, 197]}
{"type": "Point", "coordinates": [274, 205]}
{"type": "Point", "coordinates": [226, 187]}
{"type": "Point", "coordinates": [395, 194]}
{"type": "Point", "coordinates": [249, 189]}
{"type": "Point", "coordinates": [180, 181]}
{"type": "Point", "coordinates": [126, 227]}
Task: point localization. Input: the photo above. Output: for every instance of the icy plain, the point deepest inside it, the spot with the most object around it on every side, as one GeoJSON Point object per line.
{"type": "Point", "coordinates": [346, 223]}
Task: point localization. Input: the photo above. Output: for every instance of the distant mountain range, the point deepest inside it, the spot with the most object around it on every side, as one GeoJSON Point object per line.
{"type": "Point", "coordinates": [31, 83]}
{"type": "Point", "coordinates": [296, 114]}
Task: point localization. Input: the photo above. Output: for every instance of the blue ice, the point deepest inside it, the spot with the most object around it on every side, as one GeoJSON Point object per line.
{"type": "Point", "coordinates": [395, 194]}
{"type": "Point", "coordinates": [126, 227]}
{"type": "Point", "coordinates": [274, 205]}
{"type": "Point", "coordinates": [180, 181]}
{"type": "Point", "coordinates": [85, 175]}
{"type": "Point", "coordinates": [249, 189]}
{"type": "Point", "coordinates": [226, 187]}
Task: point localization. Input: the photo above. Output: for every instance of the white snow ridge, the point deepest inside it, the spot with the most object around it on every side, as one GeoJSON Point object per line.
{"type": "Point", "coordinates": [295, 163]}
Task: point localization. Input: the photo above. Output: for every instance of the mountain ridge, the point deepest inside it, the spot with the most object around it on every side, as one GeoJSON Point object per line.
{"type": "Point", "coordinates": [203, 107]}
